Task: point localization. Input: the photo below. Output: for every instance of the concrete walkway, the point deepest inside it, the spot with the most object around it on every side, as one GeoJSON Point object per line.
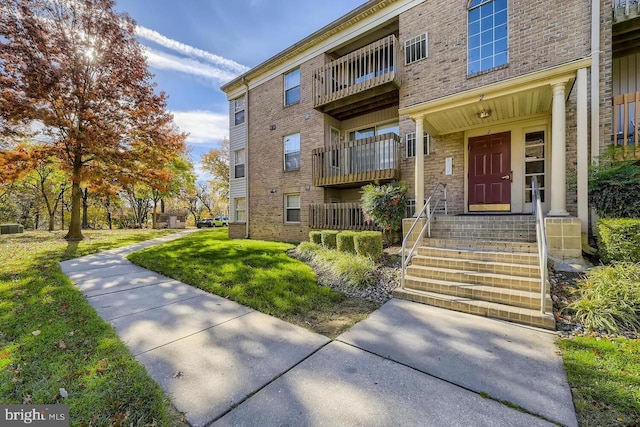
{"type": "Point", "coordinates": [407, 364]}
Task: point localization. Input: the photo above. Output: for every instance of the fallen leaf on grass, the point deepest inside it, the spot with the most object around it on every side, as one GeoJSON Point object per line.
{"type": "Point", "coordinates": [63, 393]}
{"type": "Point", "coordinates": [62, 344]}
{"type": "Point", "coordinates": [26, 400]}
{"type": "Point", "coordinates": [35, 333]}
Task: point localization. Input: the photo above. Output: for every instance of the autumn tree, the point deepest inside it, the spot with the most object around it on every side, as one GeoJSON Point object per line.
{"type": "Point", "coordinates": [76, 69]}
{"type": "Point", "coordinates": [216, 164]}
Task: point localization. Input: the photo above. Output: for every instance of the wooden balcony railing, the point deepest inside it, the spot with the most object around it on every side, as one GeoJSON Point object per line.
{"type": "Point", "coordinates": [360, 161]}
{"type": "Point", "coordinates": [625, 9]}
{"type": "Point", "coordinates": [338, 216]}
{"type": "Point", "coordinates": [368, 67]}
{"type": "Point", "coordinates": [626, 110]}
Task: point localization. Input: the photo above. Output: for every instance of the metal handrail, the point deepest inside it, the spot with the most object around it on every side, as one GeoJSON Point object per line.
{"type": "Point", "coordinates": [541, 237]}
{"type": "Point", "coordinates": [427, 225]}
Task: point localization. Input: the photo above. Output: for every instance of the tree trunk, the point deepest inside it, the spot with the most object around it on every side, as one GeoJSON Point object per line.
{"type": "Point", "coordinates": [108, 206]}
{"type": "Point", "coordinates": [161, 205]}
{"type": "Point", "coordinates": [153, 215]}
{"type": "Point", "coordinates": [75, 223]}
{"type": "Point", "coordinates": [85, 208]}
{"type": "Point", "coordinates": [52, 217]}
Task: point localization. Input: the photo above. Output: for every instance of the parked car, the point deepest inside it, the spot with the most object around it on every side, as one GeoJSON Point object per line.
{"type": "Point", "coordinates": [221, 221]}
{"type": "Point", "coordinates": [205, 222]}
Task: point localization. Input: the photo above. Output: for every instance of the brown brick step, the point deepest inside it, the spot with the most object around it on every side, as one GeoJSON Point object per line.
{"type": "Point", "coordinates": [521, 270]}
{"type": "Point", "coordinates": [512, 297]}
{"type": "Point", "coordinates": [481, 244]}
{"type": "Point", "coordinates": [531, 284]}
{"type": "Point", "coordinates": [482, 308]}
{"type": "Point", "coordinates": [480, 255]}
{"type": "Point", "coordinates": [509, 236]}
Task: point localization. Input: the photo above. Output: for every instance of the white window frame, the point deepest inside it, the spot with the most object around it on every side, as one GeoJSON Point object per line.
{"type": "Point", "coordinates": [410, 141]}
{"type": "Point", "coordinates": [284, 146]}
{"type": "Point", "coordinates": [288, 208]}
{"type": "Point", "coordinates": [239, 159]}
{"type": "Point", "coordinates": [240, 215]}
{"type": "Point", "coordinates": [493, 41]}
{"type": "Point", "coordinates": [416, 49]}
{"type": "Point", "coordinates": [293, 87]}
{"type": "Point", "coordinates": [239, 107]}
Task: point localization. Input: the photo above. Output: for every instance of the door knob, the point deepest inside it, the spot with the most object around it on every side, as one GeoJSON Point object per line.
{"type": "Point", "coordinates": [506, 177]}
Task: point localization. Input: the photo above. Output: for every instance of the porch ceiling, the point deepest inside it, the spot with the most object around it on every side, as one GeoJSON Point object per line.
{"type": "Point", "coordinates": [509, 100]}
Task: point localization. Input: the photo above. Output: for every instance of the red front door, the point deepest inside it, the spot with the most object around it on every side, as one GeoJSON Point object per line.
{"type": "Point", "coordinates": [490, 173]}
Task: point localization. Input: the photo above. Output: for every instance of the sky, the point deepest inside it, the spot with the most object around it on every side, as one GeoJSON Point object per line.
{"type": "Point", "coordinates": [195, 46]}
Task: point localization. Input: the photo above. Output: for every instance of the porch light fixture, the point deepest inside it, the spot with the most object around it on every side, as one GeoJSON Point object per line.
{"type": "Point", "coordinates": [484, 113]}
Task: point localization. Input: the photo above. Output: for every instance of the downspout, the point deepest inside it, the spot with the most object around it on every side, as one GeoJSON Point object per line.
{"type": "Point", "coordinates": [595, 104]}
{"type": "Point", "coordinates": [246, 156]}
{"type": "Point", "coordinates": [595, 80]}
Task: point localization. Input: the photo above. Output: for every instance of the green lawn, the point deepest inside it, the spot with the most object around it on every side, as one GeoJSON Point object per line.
{"type": "Point", "coordinates": [605, 380]}
{"type": "Point", "coordinates": [51, 338]}
{"type": "Point", "coordinates": [257, 274]}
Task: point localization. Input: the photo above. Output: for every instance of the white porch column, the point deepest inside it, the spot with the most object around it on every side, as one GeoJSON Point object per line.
{"type": "Point", "coordinates": [558, 185]}
{"type": "Point", "coordinates": [582, 149]}
{"type": "Point", "coordinates": [419, 165]}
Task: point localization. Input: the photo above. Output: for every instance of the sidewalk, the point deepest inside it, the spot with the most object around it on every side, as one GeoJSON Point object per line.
{"type": "Point", "coordinates": [407, 364]}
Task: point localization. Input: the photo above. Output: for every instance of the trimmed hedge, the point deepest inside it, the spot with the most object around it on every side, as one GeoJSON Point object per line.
{"type": "Point", "coordinates": [315, 237]}
{"type": "Point", "coordinates": [328, 238]}
{"type": "Point", "coordinates": [345, 242]}
{"type": "Point", "coordinates": [619, 239]}
{"type": "Point", "coordinates": [11, 228]}
{"type": "Point", "coordinates": [368, 243]}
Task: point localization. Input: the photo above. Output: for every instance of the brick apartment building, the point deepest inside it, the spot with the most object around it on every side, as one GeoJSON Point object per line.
{"type": "Point", "coordinates": [480, 95]}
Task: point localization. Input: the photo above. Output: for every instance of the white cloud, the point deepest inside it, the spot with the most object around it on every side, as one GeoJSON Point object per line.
{"type": "Point", "coordinates": [166, 61]}
{"type": "Point", "coordinates": [202, 126]}
{"type": "Point", "coordinates": [191, 51]}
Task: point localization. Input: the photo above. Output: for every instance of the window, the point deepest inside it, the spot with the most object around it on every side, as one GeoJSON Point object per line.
{"type": "Point", "coordinates": [292, 152]}
{"type": "Point", "coordinates": [238, 162]}
{"type": "Point", "coordinates": [416, 49]}
{"type": "Point", "coordinates": [487, 35]}
{"type": "Point", "coordinates": [292, 87]}
{"type": "Point", "coordinates": [410, 140]}
{"type": "Point", "coordinates": [238, 109]}
{"type": "Point", "coordinates": [241, 209]}
{"type": "Point", "coordinates": [534, 158]}
{"type": "Point", "coordinates": [411, 208]}
{"type": "Point", "coordinates": [292, 208]}
{"type": "Point", "coordinates": [379, 153]}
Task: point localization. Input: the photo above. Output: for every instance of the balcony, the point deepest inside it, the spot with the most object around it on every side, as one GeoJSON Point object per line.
{"type": "Point", "coordinates": [626, 111]}
{"type": "Point", "coordinates": [338, 216]}
{"type": "Point", "coordinates": [625, 9]}
{"type": "Point", "coordinates": [360, 82]}
{"type": "Point", "coordinates": [353, 163]}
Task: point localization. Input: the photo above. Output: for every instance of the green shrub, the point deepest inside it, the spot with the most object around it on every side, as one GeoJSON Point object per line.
{"type": "Point", "coordinates": [368, 244]}
{"type": "Point", "coordinates": [619, 239]}
{"type": "Point", "coordinates": [307, 250]}
{"type": "Point", "coordinates": [328, 238]}
{"type": "Point", "coordinates": [385, 205]}
{"type": "Point", "coordinates": [614, 187]}
{"type": "Point", "coordinates": [350, 269]}
{"type": "Point", "coordinates": [315, 237]}
{"type": "Point", "coordinates": [610, 298]}
{"type": "Point", "coordinates": [345, 242]}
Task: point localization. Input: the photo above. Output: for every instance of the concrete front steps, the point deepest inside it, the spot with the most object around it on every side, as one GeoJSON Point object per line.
{"type": "Point", "coordinates": [471, 265]}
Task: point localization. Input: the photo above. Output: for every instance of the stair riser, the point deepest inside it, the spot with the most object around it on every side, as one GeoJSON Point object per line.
{"type": "Point", "coordinates": [507, 247]}
{"type": "Point", "coordinates": [488, 235]}
{"type": "Point", "coordinates": [478, 266]}
{"type": "Point", "coordinates": [542, 322]}
{"type": "Point", "coordinates": [516, 258]}
{"type": "Point", "coordinates": [509, 282]}
{"type": "Point", "coordinates": [483, 295]}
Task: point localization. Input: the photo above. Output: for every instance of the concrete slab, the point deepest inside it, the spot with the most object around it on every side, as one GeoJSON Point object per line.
{"type": "Point", "coordinates": [90, 262]}
{"type": "Point", "coordinates": [113, 305]}
{"type": "Point", "coordinates": [343, 385]}
{"type": "Point", "coordinates": [232, 361]}
{"type": "Point", "coordinates": [104, 285]}
{"type": "Point", "coordinates": [123, 269]}
{"type": "Point", "coordinates": [509, 362]}
{"type": "Point", "coordinates": [149, 329]}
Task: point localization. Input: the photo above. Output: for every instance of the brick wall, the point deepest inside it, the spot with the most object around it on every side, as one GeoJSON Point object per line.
{"type": "Point", "coordinates": [266, 156]}
{"type": "Point", "coordinates": [542, 34]}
